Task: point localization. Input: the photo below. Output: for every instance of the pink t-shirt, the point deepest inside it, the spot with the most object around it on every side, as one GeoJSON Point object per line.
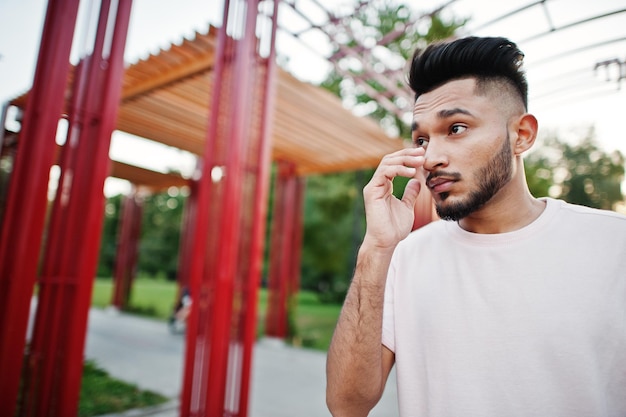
{"type": "Point", "coordinates": [527, 323]}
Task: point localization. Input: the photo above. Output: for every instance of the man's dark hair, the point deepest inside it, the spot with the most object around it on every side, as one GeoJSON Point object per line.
{"type": "Point", "coordinates": [483, 58]}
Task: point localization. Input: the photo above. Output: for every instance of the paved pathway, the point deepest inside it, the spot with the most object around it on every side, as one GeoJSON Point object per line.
{"type": "Point", "coordinates": [286, 381]}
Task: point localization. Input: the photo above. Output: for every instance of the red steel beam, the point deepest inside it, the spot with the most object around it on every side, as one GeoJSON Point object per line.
{"type": "Point", "coordinates": [24, 216]}
{"type": "Point", "coordinates": [186, 238]}
{"type": "Point", "coordinates": [226, 235]}
{"type": "Point", "coordinates": [285, 251]}
{"type": "Point", "coordinates": [46, 312]}
{"type": "Point", "coordinates": [196, 369]}
{"type": "Point", "coordinates": [259, 214]}
{"type": "Point", "coordinates": [127, 249]}
{"type": "Point", "coordinates": [276, 315]}
{"type": "Point", "coordinates": [56, 359]}
{"type": "Point", "coordinates": [296, 241]}
{"type": "Point", "coordinates": [224, 270]}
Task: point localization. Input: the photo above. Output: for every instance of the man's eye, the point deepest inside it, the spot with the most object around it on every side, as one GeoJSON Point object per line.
{"type": "Point", "coordinates": [457, 129]}
{"type": "Point", "coordinates": [421, 142]}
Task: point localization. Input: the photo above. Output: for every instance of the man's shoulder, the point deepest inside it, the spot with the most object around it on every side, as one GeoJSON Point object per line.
{"type": "Point", "coordinates": [590, 213]}
{"type": "Point", "coordinates": [591, 223]}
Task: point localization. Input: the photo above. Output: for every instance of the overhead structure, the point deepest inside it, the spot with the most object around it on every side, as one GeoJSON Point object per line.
{"type": "Point", "coordinates": [165, 99]}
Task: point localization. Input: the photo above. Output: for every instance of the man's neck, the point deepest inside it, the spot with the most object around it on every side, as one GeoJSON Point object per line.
{"type": "Point", "coordinates": [504, 213]}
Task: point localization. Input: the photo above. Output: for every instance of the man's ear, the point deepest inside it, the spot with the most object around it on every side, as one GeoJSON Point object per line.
{"type": "Point", "coordinates": [527, 127]}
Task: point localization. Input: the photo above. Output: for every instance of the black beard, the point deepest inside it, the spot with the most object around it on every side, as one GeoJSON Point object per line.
{"type": "Point", "coordinates": [491, 178]}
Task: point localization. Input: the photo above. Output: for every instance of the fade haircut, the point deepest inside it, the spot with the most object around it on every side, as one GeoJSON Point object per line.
{"type": "Point", "coordinates": [486, 59]}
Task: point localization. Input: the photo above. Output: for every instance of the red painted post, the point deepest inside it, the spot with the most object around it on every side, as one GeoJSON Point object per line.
{"type": "Point", "coordinates": [198, 342]}
{"type": "Point", "coordinates": [285, 251]}
{"type": "Point", "coordinates": [217, 339]}
{"type": "Point", "coordinates": [276, 317]}
{"type": "Point", "coordinates": [187, 235]}
{"type": "Point", "coordinates": [196, 366]}
{"type": "Point", "coordinates": [53, 254]}
{"type": "Point", "coordinates": [7, 154]}
{"type": "Point", "coordinates": [259, 214]}
{"type": "Point", "coordinates": [296, 243]}
{"type": "Point", "coordinates": [127, 249]}
{"type": "Point", "coordinates": [56, 360]}
{"type": "Point", "coordinates": [24, 216]}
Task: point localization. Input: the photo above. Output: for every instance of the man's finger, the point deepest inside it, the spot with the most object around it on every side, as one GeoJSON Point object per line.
{"type": "Point", "coordinates": [411, 191]}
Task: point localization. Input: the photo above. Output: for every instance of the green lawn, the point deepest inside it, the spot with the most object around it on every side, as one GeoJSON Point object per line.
{"type": "Point", "coordinates": [155, 298]}
{"type": "Point", "coordinates": [149, 297]}
{"type": "Point", "coordinates": [101, 394]}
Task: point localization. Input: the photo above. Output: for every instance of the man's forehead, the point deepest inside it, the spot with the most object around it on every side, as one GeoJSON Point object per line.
{"type": "Point", "coordinates": [451, 89]}
{"type": "Point", "coordinates": [453, 96]}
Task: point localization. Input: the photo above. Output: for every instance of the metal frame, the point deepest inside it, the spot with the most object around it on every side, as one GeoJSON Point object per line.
{"type": "Point", "coordinates": [230, 222]}
{"type": "Point", "coordinates": [127, 253]}
{"type": "Point", "coordinates": [286, 247]}
{"type": "Point", "coordinates": [55, 360]}
{"type": "Point", "coordinates": [23, 222]}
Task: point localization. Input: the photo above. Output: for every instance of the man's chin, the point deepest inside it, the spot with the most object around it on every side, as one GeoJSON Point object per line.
{"type": "Point", "coordinates": [448, 209]}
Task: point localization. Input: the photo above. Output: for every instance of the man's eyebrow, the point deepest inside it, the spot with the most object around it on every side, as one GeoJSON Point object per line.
{"type": "Point", "coordinates": [444, 114]}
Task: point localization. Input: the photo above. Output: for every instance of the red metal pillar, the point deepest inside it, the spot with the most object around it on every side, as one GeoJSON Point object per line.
{"type": "Point", "coordinates": [127, 252]}
{"type": "Point", "coordinates": [284, 269]}
{"type": "Point", "coordinates": [56, 359]}
{"type": "Point", "coordinates": [298, 226]}
{"type": "Point", "coordinates": [24, 216]}
{"type": "Point", "coordinates": [259, 171]}
{"type": "Point", "coordinates": [186, 237]}
{"type": "Point", "coordinates": [229, 229]}
{"type": "Point", "coordinates": [7, 157]}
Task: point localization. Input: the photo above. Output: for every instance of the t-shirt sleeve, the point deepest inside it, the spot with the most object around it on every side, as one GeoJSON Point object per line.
{"type": "Point", "coordinates": [388, 339]}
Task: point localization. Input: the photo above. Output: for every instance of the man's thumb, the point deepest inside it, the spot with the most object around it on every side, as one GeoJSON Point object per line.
{"type": "Point", "coordinates": [411, 191]}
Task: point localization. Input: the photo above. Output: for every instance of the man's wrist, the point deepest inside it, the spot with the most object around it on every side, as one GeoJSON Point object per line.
{"type": "Point", "coordinates": [376, 247]}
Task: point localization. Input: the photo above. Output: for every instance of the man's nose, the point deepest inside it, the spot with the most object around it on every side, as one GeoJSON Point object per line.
{"type": "Point", "coordinates": [435, 156]}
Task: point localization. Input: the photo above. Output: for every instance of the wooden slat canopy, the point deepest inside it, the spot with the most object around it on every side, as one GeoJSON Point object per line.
{"type": "Point", "coordinates": [166, 98]}
{"type": "Point", "coordinates": [145, 177]}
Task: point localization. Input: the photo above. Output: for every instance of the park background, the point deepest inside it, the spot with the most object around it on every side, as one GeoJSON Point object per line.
{"type": "Point", "coordinates": [580, 157]}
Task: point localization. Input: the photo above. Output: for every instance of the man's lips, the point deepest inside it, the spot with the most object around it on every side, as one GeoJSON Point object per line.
{"type": "Point", "coordinates": [440, 184]}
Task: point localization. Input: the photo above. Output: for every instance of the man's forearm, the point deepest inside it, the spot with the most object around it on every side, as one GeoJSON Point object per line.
{"type": "Point", "coordinates": [355, 373]}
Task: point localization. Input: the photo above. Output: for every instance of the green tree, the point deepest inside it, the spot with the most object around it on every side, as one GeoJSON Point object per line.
{"type": "Point", "coordinates": [580, 173]}
{"type": "Point", "coordinates": [160, 234]}
{"type": "Point", "coordinates": [333, 228]}
{"type": "Point", "coordinates": [108, 244]}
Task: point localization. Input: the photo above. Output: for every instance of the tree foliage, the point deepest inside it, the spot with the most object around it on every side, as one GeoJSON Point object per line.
{"type": "Point", "coordinates": [580, 173]}
{"type": "Point", "coordinates": [108, 245]}
{"type": "Point", "coordinates": [333, 229]}
{"type": "Point", "coordinates": [160, 234]}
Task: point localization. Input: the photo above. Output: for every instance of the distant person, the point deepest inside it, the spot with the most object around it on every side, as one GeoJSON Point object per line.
{"type": "Point", "coordinates": [511, 305]}
{"type": "Point", "coordinates": [178, 319]}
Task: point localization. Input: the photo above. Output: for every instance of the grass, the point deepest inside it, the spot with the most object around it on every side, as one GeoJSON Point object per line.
{"type": "Point", "coordinates": [101, 394]}
{"type": "Point", "coordinates": [149, 297]}
{"type": "Point", "coordinates": [314, 321]}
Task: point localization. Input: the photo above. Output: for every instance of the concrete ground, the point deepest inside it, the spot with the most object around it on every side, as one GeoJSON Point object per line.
{"type": "Point", "coordinates": [286, 381]}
